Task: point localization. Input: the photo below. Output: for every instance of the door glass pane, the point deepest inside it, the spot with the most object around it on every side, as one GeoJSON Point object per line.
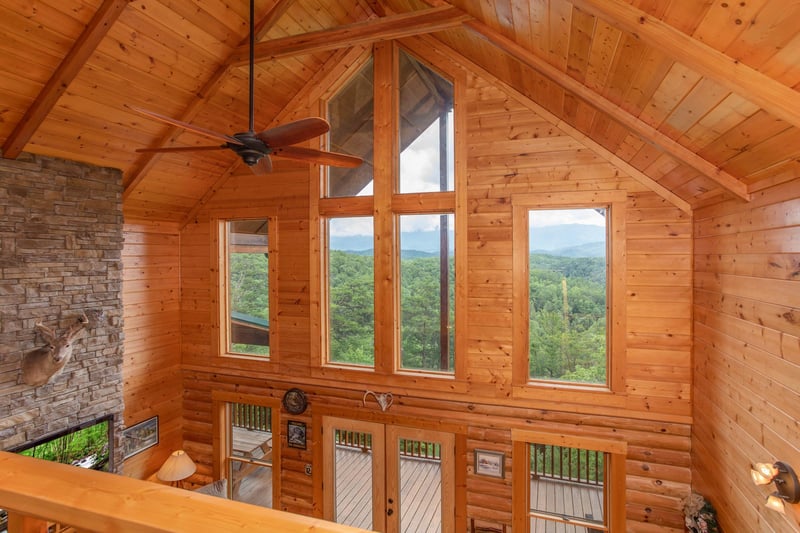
{"type": "Point", "coordinates": [427, 292]}
{"type": "Point", "coordinates": [420, 486]}
{"type": "Point", "coordinates": [351, 291]}
{"type": "Point", "coordinates": [568, 295]}
{"type": "Point", "coordinates": [353, 461]}
{"type": "Point", "coordinates": [351, 113]}
{"type": "Point", "coordinates": [567, 484]}
{"type": "Point", "coordinates": [250, 460]}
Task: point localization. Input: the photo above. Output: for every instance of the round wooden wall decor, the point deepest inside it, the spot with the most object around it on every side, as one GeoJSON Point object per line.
{"type": "Point", "coordinates": [294, 401]}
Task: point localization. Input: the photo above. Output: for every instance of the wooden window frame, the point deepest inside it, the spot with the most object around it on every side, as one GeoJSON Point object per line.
{"type": "Point", "coordinates": [220, 312]}
{"type": "Point", "coordinates": [221, 443]}
{"type": "Point", "coordinates": [613, 393]}
{"type": "Point", "coordinates": [613, 490]}
{"type": "Point", "coordinates": [385, 205]}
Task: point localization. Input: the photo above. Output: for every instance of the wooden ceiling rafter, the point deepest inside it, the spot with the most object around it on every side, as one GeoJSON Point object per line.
{"type": "Point", "coordinates": [599, 102]}
{"type": "Point", "coordinates": [146, 161]}
{"type": "Point", "coordinates": [67, 70]}
{"type": "Point", "coordinates": [365, 32]}
{"type": "Point", "coordinates": [771, 95]}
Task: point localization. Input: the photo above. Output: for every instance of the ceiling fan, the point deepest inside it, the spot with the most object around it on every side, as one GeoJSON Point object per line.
{"type": "Point", "coordinates": [255, 148]}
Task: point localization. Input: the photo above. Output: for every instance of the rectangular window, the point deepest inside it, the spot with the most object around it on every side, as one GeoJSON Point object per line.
{"type": "Point", "coordinates": [351, 291]}
{"type": "Point", "coordinates": [427, 293]}
{"type": "Point", "coordinates": [568, 294]}
{"type": "Point", "coordinates": [247, 280]}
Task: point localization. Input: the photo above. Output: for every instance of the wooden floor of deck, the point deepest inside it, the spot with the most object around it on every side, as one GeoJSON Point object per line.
{"type": "Point", "coordinates": [420, 494]}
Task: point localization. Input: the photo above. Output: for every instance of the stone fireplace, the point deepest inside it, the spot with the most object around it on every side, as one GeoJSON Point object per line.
{"type": "Point", "coordinates": [60, 250]}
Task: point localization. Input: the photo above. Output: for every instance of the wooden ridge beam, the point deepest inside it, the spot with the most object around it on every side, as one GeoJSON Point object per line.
{"type": "Point", "coordinates": [647, 132]}
{"type": "Point", "coordinates": [72, 64]}
{"type": "Point", "coordinates": [146, 161]}
{"type": "Point", "coordinates": [771, 95]}
{"type": "Point", "coordinates": [365, 32]}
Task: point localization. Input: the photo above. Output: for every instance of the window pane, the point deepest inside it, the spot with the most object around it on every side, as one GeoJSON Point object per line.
{"type": "Point", "coordinates": [568, 294]}
{"type": "Point", "coordinates": [351, 113]}
{"type": "Point", "coordinates": [250, 462]}
{"type": "Point", "coordinates": [427, 293]}
{"type": "Point", "coordinates": [248, 287]}
{"type": "Point", "coordinates": [567, 483]}
{"type": "Point", "coordinates": [351, 291]}
{"type": "Point", "coordinates": [426, 128]}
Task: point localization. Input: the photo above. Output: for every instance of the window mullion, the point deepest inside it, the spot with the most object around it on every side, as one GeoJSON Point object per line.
{"type": "Point", "coordinates": [385, 170]}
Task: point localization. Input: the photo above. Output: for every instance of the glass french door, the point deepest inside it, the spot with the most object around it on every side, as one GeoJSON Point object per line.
{"type": "Point", "coordinates": [388, 478]}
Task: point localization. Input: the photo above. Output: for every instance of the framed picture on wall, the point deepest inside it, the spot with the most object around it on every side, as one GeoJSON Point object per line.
{"type": "Point", "coordinates": [139, 437]}
{"type": "Point", "coordinates": [489, 463]}
{"type": "Point", "coordinates": [296, 434]}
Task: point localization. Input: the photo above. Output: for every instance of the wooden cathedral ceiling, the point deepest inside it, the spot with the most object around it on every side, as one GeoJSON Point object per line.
{"type": "Point", "coordinates": [697, 98]}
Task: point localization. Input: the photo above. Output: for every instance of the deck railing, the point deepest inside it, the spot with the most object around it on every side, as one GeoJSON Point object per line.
{"type": "Point", "coordinates": [567, 464]}
{"type": "Point", "coordinates": [408, 448]}
{"type": "Point", "coordinates": [254, 417]}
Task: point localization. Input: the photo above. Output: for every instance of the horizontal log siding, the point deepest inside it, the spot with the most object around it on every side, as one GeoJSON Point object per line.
{"type": "Point", "coordinates": [510, 151]}
{"type": "Point", "coordinates": [152, 357]}
{"type": "Point", "coordinates": [747, 352]}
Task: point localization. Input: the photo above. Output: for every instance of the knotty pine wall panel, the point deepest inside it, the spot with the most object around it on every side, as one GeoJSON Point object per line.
{"type": "Point", "coordinates": [511, 151]}
{"type": "Point", "coordinates": [151, 289]}
{"type": "Point", "coordinates": [747, 351]}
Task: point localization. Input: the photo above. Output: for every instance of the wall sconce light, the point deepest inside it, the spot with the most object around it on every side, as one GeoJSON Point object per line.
{"type": "Point", "coordinates": [785, 481]}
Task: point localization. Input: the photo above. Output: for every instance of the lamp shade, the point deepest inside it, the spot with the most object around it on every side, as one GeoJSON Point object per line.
{"type": "Point", "coordinates": [177, 467]}
{"type": "Point", "coordinates": [775, 503]}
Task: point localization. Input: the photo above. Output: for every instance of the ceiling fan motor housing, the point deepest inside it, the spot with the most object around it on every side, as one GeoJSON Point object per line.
{"type": "Point", "coordinates": [252, 148]}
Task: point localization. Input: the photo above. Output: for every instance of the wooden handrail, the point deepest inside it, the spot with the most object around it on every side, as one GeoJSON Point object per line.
{"type": "Point", "coordinates": [98, 501]}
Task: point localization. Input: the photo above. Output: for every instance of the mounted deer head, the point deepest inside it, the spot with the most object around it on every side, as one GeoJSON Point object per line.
{"type": "Point", "coordinates": [39, 366]}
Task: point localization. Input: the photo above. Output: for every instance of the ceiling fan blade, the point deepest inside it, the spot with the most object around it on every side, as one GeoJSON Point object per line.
{"type": "Point", "coordinates": [185, 125]}
{"type": "Point", "coordinates": [180, 149]}
{"type": "Point", "coordinates": [264, 166]}
{"type": "Point", "coordinates": [294, 132]}
{"type": "Point", "coordinates": [318, 156]}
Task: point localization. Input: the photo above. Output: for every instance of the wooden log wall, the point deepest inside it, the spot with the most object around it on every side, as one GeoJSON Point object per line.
{"type": "Point", "coordinates": [511, 150]}
{"type": "Point", "coordinates": [747, 352]}
{"type": "Point", "coordinates": [151, 365]}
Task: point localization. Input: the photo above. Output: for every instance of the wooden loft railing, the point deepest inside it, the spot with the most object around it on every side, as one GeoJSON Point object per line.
{"type": "Point", "coordinates": [34, 491]}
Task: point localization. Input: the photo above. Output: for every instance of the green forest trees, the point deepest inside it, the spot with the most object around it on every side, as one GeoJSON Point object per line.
{"type": "Point", "coordinates": [567, 318]}
{"type": "Point", "coordinates": [567, 311]}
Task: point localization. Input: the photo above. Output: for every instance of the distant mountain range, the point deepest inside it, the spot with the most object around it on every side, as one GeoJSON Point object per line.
{"type": "Point", "coordinates": [588, 241]}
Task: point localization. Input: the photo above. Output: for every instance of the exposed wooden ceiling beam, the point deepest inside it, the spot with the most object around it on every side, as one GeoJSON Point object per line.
{"type": "Point", "coordinates": [773, 96]}
{"type": "Point", "coordinates": [146, 161]}
{"type": "Point", "coordinates": [647, 132]}
{"type": "Point", "coordinates": [382, 29]}
{"type": "Point", "coordinates": [83, 48]}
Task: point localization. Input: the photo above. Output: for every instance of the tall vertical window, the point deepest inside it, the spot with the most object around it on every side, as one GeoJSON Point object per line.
{"type": "Point", "coordinates": [245, 287]}
{"type": "Point", "coordinates": [427, 294]}
{"type": "Point", "coordinates": [569, 258]}
{"type": "Point", "coordinates": [388, 267]}
{"type": "Point", "coordinates": [351, 291]}
{"type": "Point", "coordinates": [567, 294]}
